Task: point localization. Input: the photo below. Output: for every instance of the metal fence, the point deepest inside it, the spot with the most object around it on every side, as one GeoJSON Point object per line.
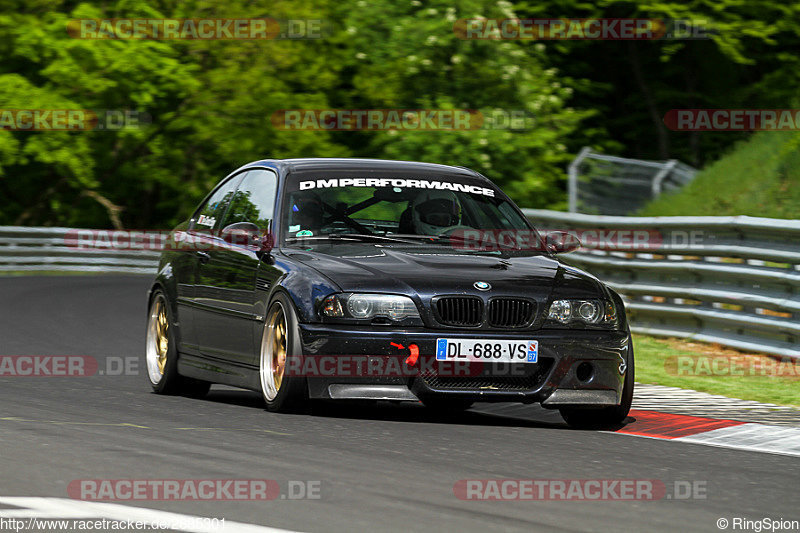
{"type": "Point", "coordinates": [731, 280]}
{"type": "Point", "coordinates": [610, 185]}
{"type": "Point", "coordinates": [24, 249]}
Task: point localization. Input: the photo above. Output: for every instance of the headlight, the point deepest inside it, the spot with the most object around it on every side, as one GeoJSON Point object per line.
{"type": "Point", "coordinates": [368, 306]}
{"type": "Point", "coordinates": [601, 313]}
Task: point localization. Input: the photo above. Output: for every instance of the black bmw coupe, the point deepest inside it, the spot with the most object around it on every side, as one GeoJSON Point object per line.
{"type": "Point", "coordinates": [356, 279]}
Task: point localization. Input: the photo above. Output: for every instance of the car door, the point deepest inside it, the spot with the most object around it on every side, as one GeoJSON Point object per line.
{"type": "Point", "coordinates": [226, 282]}
{"type": "Point", "coordinates": [195, 245]}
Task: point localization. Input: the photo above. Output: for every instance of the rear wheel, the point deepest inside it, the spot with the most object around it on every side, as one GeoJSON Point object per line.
{"type": "Point", "coordinates": [281, 348]}
{"type": "Point", "coordinates": [607, 416]}
{"type": "Point", "coordinates": [161, 354]}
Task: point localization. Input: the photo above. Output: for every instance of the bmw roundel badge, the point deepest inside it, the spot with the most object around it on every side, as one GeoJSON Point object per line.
{"type": "Point", "coordinates": [481, 285]}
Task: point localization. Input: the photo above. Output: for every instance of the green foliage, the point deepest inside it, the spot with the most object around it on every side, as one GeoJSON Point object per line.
{"type": "Point", "coordinates": [759, 177]}
{"type": "Point", "coordinates": [406, 54]}
{"type": "Point", "coordinates": [749, 60]}
{"type": "Point", "coordinates": [211, 101]}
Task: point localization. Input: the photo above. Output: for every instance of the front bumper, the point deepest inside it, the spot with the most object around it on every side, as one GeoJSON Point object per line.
{"type": "Point", "coordinates": [382, 371]}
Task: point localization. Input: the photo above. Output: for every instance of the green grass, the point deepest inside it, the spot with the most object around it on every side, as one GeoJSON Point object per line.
{"type": "Point", "coordinates": [760, 177]}
{"type": "Point", "coordinates": [653, 366]}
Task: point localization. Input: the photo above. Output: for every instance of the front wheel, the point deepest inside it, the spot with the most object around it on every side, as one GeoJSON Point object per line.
{"type": "Point", "coordinates": [281, 347]}
{"type": "Point", "coordinates": [607, 416]}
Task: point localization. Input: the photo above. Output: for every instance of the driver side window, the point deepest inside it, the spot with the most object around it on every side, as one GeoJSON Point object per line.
{"type": "Point", "coordinates": [254, 200]}
{"type": "Point", "coordinates": [209, 217]}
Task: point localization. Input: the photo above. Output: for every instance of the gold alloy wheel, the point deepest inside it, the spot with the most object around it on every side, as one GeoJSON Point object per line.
{"type": "Point", "coordinates": [157, 340]}
{"type": "Point", "coordinates": [273, 353]}
{"type": "Point", "coordinates": [162, 335]}
{"type": "Point", "coordinates": [278, 329]}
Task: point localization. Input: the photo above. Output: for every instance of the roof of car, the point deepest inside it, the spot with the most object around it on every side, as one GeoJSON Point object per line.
{"type": "Point", "coordinates": [345, 163]}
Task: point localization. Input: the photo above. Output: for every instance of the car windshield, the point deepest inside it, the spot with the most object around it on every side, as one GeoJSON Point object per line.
{"type": "Point", "coordinates": [422, 210]}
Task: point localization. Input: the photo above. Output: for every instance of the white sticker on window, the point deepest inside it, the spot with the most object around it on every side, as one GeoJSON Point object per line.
{"type": "Point", "coordinates": [207, 221]}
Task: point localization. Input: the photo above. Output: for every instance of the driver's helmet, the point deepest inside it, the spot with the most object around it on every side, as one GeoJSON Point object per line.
{"type": "Point", "coordinates": [435, 212]}
{"type": "Point", "coordinates": [307, 211]}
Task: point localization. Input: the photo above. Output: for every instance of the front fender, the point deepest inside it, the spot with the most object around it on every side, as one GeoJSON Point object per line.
{"type": "Point", "coordinates": [306, 287]}
{"type": "Point", "coordinates": [165, 281]}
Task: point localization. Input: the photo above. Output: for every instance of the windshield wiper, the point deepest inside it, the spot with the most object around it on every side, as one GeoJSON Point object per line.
{"type": "Point", "coordinates": [358, 237]}
{"type": "Point", "coordinates": [436, 239]}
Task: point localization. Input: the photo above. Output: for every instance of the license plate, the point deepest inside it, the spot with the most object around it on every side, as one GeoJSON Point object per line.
{"type": "Point", "coordinates": [487, 350]}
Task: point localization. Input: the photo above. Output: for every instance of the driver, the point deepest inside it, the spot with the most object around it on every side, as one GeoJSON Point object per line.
{"type": "Point", "coordinates": [307, 211]}
{"type": "Point", "coordinates": [436, 212]}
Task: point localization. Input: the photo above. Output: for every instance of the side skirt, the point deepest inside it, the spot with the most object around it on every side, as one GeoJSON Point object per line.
{"type": "Point", "coordinates": [215, 371]}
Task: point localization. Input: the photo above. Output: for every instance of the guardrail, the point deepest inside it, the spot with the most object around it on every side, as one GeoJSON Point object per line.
{"type": "Point", "coordinates": [730, 280]}
{"type": "Point", "coordinates": [49, 249]}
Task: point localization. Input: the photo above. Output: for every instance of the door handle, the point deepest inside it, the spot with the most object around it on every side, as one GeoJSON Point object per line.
{"type": "Point", "coordinates": [204, 257]}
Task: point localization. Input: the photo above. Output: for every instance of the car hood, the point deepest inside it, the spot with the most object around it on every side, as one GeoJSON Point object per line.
{"type": "Point", "coordinates": [442, 271]}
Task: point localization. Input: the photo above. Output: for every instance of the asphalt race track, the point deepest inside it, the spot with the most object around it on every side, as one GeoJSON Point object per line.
{"type": "Point", "coordinates": [385, 468]}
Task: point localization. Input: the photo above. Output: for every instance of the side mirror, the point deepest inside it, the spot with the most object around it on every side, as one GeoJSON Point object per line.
{"type": "Point", "coordinates": [250, 236]}
{"type": "Point", "coordinates": [562, 242]}
{"type": "Point", "coordinates": [241, 233]}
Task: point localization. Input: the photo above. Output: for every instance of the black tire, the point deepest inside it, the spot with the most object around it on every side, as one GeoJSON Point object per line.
{"type": "Point", "coordinates": [606, 417]}
{"type": "Point", "coordinates": [166, 380]}
{"type": "Point", "coordinates": [291, 394]}
{"type": "Point", "coordinates": [447, 405]}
